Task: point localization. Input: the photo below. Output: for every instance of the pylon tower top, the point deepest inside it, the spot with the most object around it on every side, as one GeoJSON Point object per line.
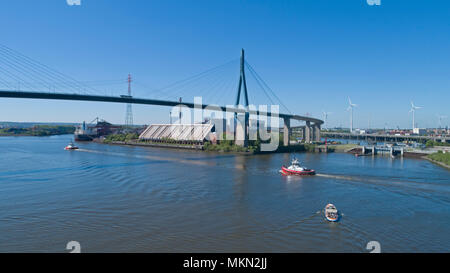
{"type": "Point", "coordinates": [242, 82]}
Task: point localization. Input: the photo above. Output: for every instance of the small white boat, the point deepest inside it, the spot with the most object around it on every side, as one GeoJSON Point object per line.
{"type": "Point", "coordinates": [71, 146]}
{"type": "Point", "coordinates": [331, 213]}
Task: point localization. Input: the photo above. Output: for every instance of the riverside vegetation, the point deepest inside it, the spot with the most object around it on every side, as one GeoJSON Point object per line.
{"type": "Point", "coordinates": [38, 130]}
{"type": "Point", "coordinates": [221, 146]}
{"type": "Point", "coordinates": [441, 157]}
{"type": "Point", "coordinates": [121, 138]}
{"type": "Point", "coordinates": [227, 146]}
{"type": "Point", "coordinates": [431, 143]}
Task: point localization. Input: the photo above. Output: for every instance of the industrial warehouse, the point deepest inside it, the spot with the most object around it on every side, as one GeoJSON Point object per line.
{"type": "Point", "coordinates": [183, 133]}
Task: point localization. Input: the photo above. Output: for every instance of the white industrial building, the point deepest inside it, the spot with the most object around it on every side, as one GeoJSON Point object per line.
{"type": "Point", "coordinates": [187, 133]}
{"type": "Point", "coordinates": [419, 131]}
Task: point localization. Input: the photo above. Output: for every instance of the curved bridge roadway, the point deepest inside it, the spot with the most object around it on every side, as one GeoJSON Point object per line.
{"type": "Point", "coordinates": [316, 123]}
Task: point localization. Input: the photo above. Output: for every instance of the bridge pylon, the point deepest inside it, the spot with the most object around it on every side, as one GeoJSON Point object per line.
{"type": "Point", "coordinates": [241, 128]}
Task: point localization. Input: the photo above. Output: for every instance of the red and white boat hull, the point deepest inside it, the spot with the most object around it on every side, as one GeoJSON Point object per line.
{"type": "Point", "coordinates": [287, 171]}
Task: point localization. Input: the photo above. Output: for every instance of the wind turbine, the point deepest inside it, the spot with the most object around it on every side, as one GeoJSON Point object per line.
{"type": "Point", "coordinates": [440, 120]}
{"type": "Point", "coordinates": [350, 108]}
{"type": "Point", "coordinates": [413, 111]}
{"type": "Point", "coordinates": [325, 118]}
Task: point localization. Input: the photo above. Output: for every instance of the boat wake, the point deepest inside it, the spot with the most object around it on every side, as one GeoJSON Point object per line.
{"type": "Point", "coordinates": [159, 158]}
{"type": "Point", "coordinates": [369, 180]}
{"type": "Point", "coordinates": [397, 184]}
{"type": "Point", "coordinates": [342, 177]}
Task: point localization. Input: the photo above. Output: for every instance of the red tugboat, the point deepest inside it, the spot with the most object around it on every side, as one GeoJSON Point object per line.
{"type": "Point", "coordinates": [71, 146]}
{"type": "Point", "coordinates": [296, 169]}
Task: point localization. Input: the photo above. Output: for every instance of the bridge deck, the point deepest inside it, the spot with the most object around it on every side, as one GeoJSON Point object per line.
{"type": "Point", "coordinates": [126, 99]}
{"type": "Point", "coordinates": [383, 136]}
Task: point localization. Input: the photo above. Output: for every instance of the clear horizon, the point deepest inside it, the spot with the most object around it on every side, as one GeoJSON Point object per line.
{"type": "Point", "coordinates": [313, 55]}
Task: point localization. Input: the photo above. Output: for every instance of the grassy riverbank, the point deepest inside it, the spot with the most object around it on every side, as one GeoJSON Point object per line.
{"type": "Point", "coordinates": [38, 130]}
{"type": "Point", "coordinates": [121, 138]}
{"type": "Point", "coordinates": [431, 143]}
{"type": "Point", "coordinates": [223, 146]}
{"type": "Point", "coordinates": [133, 140]}
{"type": "Point", "coordinates": [229, 146]}
{"type": "Point", "coordinates": [440, 157]}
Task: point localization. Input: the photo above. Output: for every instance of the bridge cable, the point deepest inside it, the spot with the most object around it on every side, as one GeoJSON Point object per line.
{"type": "Point", "coordinates": [216, 89]}
{"type": "Point", "coordinates": [17, 78]}
{"type": "Point", "coordinates": [46, 69]}
{"type": "Point", "coordinates": [21, 69]}
{"type": "Point", "coordinates": [184, 82]}
{"type": "Point", "coordinates": [34, 68]}
{"type": "Point", "coordinates": [259, 80]}
{"type": "Point", "coordinates": [262, 88]}
{"type": "Point", "coordinates": [14, 57]}
{"type": "Point", "coordinates": [196, 83]}
{"type": "Point", "coordinates": [6, 83]}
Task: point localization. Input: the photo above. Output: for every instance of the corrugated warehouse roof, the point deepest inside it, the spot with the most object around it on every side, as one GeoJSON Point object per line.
{"type": "Point", "coordinates": [178, 132]}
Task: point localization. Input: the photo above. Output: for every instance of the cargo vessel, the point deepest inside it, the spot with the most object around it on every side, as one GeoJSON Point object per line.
{"type": "Point", "coordinates": [84, 133]}
{"type": "Point", "coordinates": [97, 128]}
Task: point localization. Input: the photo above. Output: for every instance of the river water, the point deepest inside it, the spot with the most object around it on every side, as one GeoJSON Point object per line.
{"type": "Point", "coordinates": [135, 199]}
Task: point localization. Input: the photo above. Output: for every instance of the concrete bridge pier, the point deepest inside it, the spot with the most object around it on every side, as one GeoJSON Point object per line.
{"type": "Point", "coordinates": [223, 131]}
{"type": "Point", "coordinates": [286, 131]}
{"type": "Point", "coordinates": [241, 130]}
{"type": "Point", "coordinates": [317, 132]}
{"type": "Point", "coordinates": [308, 132]}
{"type": "Point", "coordinates": [303, 132]}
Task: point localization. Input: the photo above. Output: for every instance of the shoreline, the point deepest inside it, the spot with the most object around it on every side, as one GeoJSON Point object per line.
{"type": "Point", "coordinates": [162, 145]}
{"type": "Point", "coordinates": [345, 149]}
{"type": "Point", "coordinates": [281, 149]}
{"type": "Point", "coordinates": [437, 162]}
{"type": "Point", "coordinates": [308, 148]}
{"type": "Point", "coordinates": [25, 135]}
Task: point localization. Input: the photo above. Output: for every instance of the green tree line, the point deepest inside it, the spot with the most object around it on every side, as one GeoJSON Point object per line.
{"type": "Point", "coordinates": [38, 130]}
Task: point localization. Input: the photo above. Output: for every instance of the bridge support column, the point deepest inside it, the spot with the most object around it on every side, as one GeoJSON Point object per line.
{"type": "Point", "coordinates": [241, 130]}
{"type": "Point", "coordinates": [308, 132]}
{"type": "Point", "coordinates": [286, 131]}
{"type": "Point", "coordinates": [317, 132]}
{"type": "Point", "coordinates": [223, 134]}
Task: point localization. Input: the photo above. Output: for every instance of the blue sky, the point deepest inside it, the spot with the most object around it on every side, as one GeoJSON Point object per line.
{"type": "Point", "coordinates": [313, 54]}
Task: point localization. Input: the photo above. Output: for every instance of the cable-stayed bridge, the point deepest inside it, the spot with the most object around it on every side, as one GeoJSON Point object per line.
{"type": "Point", "coordinates": [23, 77]}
